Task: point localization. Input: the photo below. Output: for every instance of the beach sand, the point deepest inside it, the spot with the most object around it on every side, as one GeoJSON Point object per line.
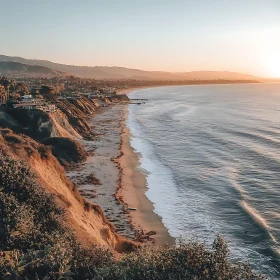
{"type": "Point", "coordinates": [99, 176]}
{"type": "Point", "coordinates": [109, 177]}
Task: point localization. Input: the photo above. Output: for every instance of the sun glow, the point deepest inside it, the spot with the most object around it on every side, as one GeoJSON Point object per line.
{"type": "Point", "coordinates": [272, 65]}
{"type": "Point", "coordinates": [269, 54]}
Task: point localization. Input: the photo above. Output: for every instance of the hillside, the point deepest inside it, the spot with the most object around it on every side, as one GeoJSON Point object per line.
{"type": "Point", "coordinates": [21, 135]}
{"type": "Point", "coordinates": [104, 72]}
{"type": "Point", "coordinates": [16, 68]}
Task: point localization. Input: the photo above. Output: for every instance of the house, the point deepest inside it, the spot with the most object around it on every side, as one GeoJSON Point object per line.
{"type": "Point", "coordinates": [89, 95]}
{"type": "Point", "coordinates": [27, 98]}
{"type": "Point", "coordinates": [48, 108]}
{"type": "Point", "coordinates": [28, 105]}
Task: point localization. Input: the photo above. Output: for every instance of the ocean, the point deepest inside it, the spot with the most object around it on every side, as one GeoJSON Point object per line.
{"type": "Point", "coordinates": [211, 154]}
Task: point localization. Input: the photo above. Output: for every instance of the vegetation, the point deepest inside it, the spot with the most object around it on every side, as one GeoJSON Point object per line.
{"type": "Point", "coordinates": [35, 243]}
{"type": "Point", "coordinates": [51, 92]}
{"type": "Point", "coordinates": [186, 261]}
{"type": "Point", "coordinates": [66, 150]}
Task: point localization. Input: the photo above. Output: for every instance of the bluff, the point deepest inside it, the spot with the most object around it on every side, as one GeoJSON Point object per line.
{"type": "Point", "coordinates": [86, 219]}
{"type": "Point", "coordinates": [70, 120]}
{"type": "Point", "coordinates": [37, 124]}
{"type": "Point", "coordinates": [45, 141]}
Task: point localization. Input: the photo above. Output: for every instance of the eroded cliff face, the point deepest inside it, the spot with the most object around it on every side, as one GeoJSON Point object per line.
{"type": "Point", "coordinates": [37, 124]}
{"type": "Point", "coordinates": [87, 220]}
{"type": "Point", "coordinates": [70, 120]}
{"type": "Point", "coordinates": [76, 112]}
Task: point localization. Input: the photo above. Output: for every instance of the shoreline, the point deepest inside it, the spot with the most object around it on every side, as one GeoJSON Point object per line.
{"type": "Point", "coordinates": [132, 192]}
{"type": "Point", "coordinates": [109, 178]}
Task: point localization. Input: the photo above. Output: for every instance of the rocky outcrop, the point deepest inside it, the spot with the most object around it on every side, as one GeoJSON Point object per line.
{"type": "Point", "coordinates": [119, 98]}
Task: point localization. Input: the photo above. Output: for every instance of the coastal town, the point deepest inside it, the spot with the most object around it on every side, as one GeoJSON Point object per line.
{"type": "Point", "coordinates": [43, 94]}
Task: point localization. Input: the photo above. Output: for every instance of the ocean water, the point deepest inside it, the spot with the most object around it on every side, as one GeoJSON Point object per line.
{"type": "Point", "coordinates": [212, 155]}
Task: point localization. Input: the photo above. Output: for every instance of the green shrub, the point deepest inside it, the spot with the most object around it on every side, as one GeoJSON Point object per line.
{"type": "Point", "coordinates": [186, 261]}
{"type": "Point", "coordinates": [34, 242]}
{"type": "Point", "coordinates": [25, 205]}
{"type": "Point", "coordinates": [66, 150]}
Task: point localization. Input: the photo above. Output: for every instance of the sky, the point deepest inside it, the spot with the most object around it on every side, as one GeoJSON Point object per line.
{"type": "Point", "coordinates": [161, 35]}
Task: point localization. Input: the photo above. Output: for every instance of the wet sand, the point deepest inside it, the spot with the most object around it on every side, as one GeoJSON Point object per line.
{"type": "Point", "coordinates": [133, 189]}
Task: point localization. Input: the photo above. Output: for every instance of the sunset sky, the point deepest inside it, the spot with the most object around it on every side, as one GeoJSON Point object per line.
{"type": "Point", "coordinates": [168, 35]}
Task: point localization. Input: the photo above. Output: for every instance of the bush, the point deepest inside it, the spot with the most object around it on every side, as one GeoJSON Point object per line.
{"type": "Point", "coordinates": [66, 150]}
{"type": "Point", "coordinates": [35, 243]}
{"type": "Point", "coordinates": [12, 138]}
{"type": "Point", "coordinates": [186, 261]}
{"type": "Point", "coordinates": [25, 206]}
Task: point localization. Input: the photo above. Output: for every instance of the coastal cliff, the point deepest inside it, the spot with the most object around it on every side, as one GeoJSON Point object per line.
{"type": "Point", "coordinates": [19, 136]}
{"type": "Point", "coordinates": [70, 120]}
{"type": "Point", "coordinates": [37, 124]}
{"type": "Point", "coordinates": [87, 220]}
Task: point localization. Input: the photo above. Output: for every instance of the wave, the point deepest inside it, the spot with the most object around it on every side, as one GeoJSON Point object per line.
{"type": "Point", "coordinates": [160, 183]}
{"type": "Point", "coordinates": [212, 155]}
{"type": "Point", "coordinates": [258, 218]}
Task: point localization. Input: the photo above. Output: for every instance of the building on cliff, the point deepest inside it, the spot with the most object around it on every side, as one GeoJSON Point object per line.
{"type": "Point", "coordinates": [27, 102]}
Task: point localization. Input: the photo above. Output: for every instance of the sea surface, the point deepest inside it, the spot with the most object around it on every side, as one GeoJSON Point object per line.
{"type": "Point", "coordinates": [212, 155]}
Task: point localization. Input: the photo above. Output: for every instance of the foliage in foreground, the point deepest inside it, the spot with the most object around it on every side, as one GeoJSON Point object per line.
{"type": "Point", "coordinates": [35, 243]}
{"type": "Point", "coordinates": [186, 261]}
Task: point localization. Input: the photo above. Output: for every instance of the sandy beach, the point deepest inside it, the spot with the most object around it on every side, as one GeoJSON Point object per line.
{"type": "Point", "coordinates": [110, 177]}
{"type": "Point", "coordinates": [99, 176]}
{"type": "Point", "coordinates": [133, 189]}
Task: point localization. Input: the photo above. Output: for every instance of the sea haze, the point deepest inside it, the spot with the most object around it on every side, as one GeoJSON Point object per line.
{"type": "Point", "coordinates": [212, 155]}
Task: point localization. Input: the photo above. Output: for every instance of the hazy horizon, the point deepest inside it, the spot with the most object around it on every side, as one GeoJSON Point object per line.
{"type": "Point", "coordinates": [119, 66]}
{"type": "Point", "coordinates": [177, 36]}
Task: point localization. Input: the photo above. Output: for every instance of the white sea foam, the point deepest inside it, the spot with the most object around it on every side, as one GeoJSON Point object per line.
{"type": "Point", "coordinates": [176, 211]}
{"type": "Point", "coordinates": [161, 187]}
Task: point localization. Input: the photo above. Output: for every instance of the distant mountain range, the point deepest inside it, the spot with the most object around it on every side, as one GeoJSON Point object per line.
{"type": "Point", "coordinates": [18, 69]}
{"type": "Point", "coordinates": [9, 64]}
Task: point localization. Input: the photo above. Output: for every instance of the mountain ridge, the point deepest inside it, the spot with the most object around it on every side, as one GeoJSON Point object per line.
{"type": "Point", "coordinates": [17, 68]}
{"type": "Point", "coordinates": [117, 72]}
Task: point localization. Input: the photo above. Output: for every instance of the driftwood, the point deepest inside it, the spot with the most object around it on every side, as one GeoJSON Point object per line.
{"type": "Point", "coordinates": [143, 237]}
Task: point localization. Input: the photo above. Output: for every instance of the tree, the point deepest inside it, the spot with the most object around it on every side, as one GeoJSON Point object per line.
{"type": "Point", "coordinates": [49, 92]}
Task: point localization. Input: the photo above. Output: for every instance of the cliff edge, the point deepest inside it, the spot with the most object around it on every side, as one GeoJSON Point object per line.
{"type": "Point", "coordinates": [85, 219]}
